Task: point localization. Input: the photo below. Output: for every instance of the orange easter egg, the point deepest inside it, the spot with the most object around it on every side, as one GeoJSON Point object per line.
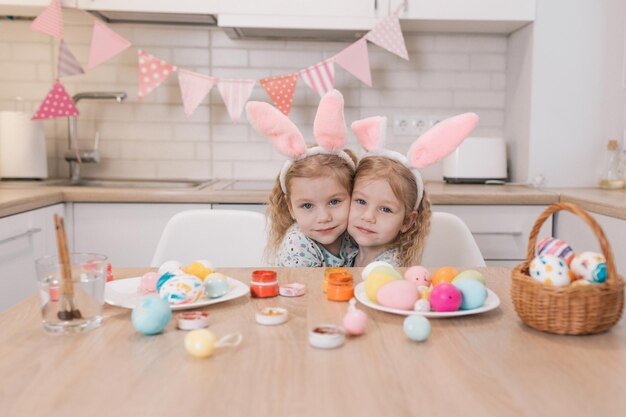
{"type": "Point", "coordinates": [444, 274]}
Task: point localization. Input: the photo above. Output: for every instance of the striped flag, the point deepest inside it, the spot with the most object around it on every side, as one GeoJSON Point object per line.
{"type": "Point", "coordinates": [235, 94]}
{"type": "Point", "coordinates": [50, 21]}
{"type": "Point", "coordinates": [193, 88]}
{"type": "Point", "coordinates": [320, 77]}
{"type": "Point", "coordinates": [68, 64]}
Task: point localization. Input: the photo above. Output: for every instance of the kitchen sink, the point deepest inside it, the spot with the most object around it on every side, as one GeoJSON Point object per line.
{"type": "Point", "coordinates": [130, 183]}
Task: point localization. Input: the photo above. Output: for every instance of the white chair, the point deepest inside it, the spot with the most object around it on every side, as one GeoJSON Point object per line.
{"type": "Point", "coordinates": [227, 238]}
{"type": "Point", "coordinates": [450, 243]}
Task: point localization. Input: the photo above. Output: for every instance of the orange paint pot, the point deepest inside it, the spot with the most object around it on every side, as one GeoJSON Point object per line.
{"type": "Point", "coordinates": [340, 287]}
{"type": "Point", "coordinates": [264, 284]}
{"type": "Point", "coordinates": [329, 271]}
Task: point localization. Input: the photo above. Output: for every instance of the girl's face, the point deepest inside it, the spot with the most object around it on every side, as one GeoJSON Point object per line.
{"type": "Point", "coordinates": [376, 214]}
{"type": "Point", "coordinates": [320, 206]}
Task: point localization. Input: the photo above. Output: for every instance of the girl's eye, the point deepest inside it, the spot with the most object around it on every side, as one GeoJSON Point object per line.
{"type": "Point", "coordinates": [360, 201]}
{"type": "Point", "coordinates": [334, 202]}
{"type": "Point", "coordinates": [386, 210]}
{"type": "Point", "coordinates": [307, 206]}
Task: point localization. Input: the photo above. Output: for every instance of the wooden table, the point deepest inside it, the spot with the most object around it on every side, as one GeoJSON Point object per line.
{"type": "Point", "coordinates": [488, 364]}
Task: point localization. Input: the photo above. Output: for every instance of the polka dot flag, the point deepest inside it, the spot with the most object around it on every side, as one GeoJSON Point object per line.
{"type": "Point", "coordinates": [388, 35]}
{"type": "Point", "coordinates": [56, 104]}
{"type": "Point", "coordinates": [281, 89]}
{"type": "Point", "coordinates": [152, 72]}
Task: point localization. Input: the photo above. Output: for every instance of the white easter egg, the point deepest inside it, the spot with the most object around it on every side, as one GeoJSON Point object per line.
{"type": "Point", "coordinates": [549, 270]}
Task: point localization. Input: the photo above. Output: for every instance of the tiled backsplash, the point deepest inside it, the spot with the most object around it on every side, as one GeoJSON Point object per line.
{"type": "Point", "coordinates": [447, 74]}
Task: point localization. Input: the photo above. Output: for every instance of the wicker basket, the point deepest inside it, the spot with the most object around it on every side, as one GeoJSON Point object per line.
{"type": "Point", "coordinates": [568, 310]}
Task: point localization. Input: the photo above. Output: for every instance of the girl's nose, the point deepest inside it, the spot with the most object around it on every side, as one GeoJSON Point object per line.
{"type": "Point", "coordinates": [368, 215]}
{"type": "Point", "coordinates": [324, 216]}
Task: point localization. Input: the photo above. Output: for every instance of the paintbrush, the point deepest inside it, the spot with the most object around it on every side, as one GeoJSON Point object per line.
{"type": "Point", "coordinates": [68, 309]}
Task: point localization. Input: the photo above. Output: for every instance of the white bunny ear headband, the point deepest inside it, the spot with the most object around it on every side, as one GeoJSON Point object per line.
{"type": "Point", "coordinates": [437, 143]}
{"type": "Point", "coordinates": [329, 130]}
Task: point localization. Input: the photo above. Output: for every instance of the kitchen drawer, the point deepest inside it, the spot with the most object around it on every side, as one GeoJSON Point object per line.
{"type": "Point", "coordinates": [501, 232]}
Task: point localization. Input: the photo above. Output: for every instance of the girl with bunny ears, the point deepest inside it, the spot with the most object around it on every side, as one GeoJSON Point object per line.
{"type": "Point", "coordinates": [390, 210]}
{"type": "Point", "coordinates": [308, 207]}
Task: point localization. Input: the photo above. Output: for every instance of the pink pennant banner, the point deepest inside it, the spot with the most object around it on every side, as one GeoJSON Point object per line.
{"type": "Point", "coordinates": [320, 77]}
{"type": "Point", "coordinates": [281, 89]}
{"type": "Point", "coordinates": [50, 21]}
{"type": "Point", "coordinates": [235, 94]}
{"type": "Point", "coordinates": [388, 35]}
{"type": "Point", "coordinates": [68, 64]}
{"type": "Point", "coordinates": [152, 72]}
{"type": "Point", "coordinates": [193, 88]}
{"type": "Point", "coordinates": [105, 44]}
{"type": "Point", "coordinates": [355, 60]}
{"type": "Point", "coordinates": [56, 104]}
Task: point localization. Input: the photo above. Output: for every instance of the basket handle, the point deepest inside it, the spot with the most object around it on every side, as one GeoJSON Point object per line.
{"type": "Point", "coordinates": [605, 246]}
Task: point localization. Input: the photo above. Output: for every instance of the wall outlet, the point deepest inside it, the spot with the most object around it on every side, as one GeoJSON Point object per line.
{"type": "Point", "coordinates": [410, 125]}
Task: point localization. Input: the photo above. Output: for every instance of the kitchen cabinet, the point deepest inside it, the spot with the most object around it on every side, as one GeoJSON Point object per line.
{"type": "Point", "coordinates": [24, 237]}
{"type": "Point", "coordinates": [575, 231]}
{"type": "Point", "coordinates": [151, 6]}
{"type": "Point", "coordinates": [127, 233]}
{"type": "Point", "coordinates": [490, 16]}
{"type": "Point", "coordinates": [501, 232]}
{"type": "Point", "coordinates": [29, 7]}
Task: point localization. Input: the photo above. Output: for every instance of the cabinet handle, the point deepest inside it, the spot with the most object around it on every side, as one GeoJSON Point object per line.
{"type": "Point", "coordinates": [375, 5]}
{"type": "Point", "coordinates": [498, 233]}
{"type": "Point", "coordinates": [27, 233]}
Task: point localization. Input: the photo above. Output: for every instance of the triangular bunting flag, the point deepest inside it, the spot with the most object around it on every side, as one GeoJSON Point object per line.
{"type": "Point", "coordinates": [68, 64]}
{"type": "Point", "coordinates": [281, 89]}
{"type": "Point", "coordinates": [152, 72]}
{"type": "Point", "coordinates": [388, 35]}
{"type": "Point", "coordinates": [105, 44]}
{"type": "Point", "coordinates": [50, 21]}
{"type": "Point", "coordinates": [320, 77]}
{"type": "Point", "coordinates": [235, 94]}
{"type": "Point", "coordinates": [355, 60]}
{"type": "Point", "coordinates": [193, 88]}
{"type": "Point", "coordinates": [56, 104]}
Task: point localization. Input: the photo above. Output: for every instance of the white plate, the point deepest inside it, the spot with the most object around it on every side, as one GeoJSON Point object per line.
{"type": "Point", "coordinates": [123, 293]}
{"type": "Point", "coordinates": [491, 302]}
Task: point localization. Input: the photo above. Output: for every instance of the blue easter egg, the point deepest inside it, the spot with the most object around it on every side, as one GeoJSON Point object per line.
{"type": "Point", "coordinates": [473, 293]}
{"type": "Point", "coordinates": [151, 315]}
{"type": "Point", "coordinates": [417, 328]}
{"type": "Point", "coordinates": [215, 287]}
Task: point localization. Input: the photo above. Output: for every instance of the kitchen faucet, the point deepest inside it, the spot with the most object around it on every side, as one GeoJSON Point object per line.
{"type": "Point", "coordinates": [73, 155]}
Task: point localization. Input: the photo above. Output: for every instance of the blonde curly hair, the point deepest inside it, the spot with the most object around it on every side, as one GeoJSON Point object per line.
{"type": "Point", "coordinates": [316, 166]}
{"type": "Point", "coordinates": [404, 187]}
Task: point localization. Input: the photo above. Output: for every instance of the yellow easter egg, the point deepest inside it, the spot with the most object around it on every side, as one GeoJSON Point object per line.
{"type": "Point", "coordinates": [389, 270]}
{"type": "Point", "coordinates": [200, 343]}
{"type": "Point", "coordinates": [374, 281]}
{"type": "Point", "coordinates": [197, 269]}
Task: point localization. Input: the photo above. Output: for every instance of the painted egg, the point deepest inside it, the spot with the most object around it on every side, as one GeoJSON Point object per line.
{"type": "Point", "coordinates": [182, 289]}
{"type": "Point", "coordinates": [444, 274]}
{"type": "Point", "coordinates": [173, 267]}
{"type": "Point", "coordinates": [148, 282]}
{"type": "Point", "coordinates": [370, 266]}
{"type": "Point", "coordinates": [590, 266]}
{"type": "Point", "coordinates": [470, 274]}
{"type": "Point", "coordinates": [473, 293]}
{"type": "Point", "coordinates": [198, 269]}
{"type": "Point", "coordinates": [217, 275]}
{"type": "Point", "coordinates": [215, 287]}
{"type": "Point", "coordinates": [355, 320]}
{"type": "Point", "coordinates": [200, 343]}
{"type": "Point", "coordinates": [417, 328]}
{"type": "Point", "coordinates": [419, 275]}
{"type": "Point", "coordinates": [151, 315]}
{"type": "Point", "coordinates": [374, 282]}
{"type": "Point", "coordinates": [555, 247]}
{"type": "Point", "coordinates": [445, 297]}
{"type": "Point", "coordinates": [399, 294]}
{"type": "Point", "coordinates": [549, 270]}
{"type": "Point", "coordinates": [163, 279]}
{"type": "Point", "coordinates": [422, 305]}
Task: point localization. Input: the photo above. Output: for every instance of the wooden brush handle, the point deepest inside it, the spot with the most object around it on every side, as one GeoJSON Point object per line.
{"type": "Point", "coordinates": [64, 256]}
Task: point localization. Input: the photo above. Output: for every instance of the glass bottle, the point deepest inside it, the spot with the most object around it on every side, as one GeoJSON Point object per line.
{"type": "Point", "coordinates": [610, 178]}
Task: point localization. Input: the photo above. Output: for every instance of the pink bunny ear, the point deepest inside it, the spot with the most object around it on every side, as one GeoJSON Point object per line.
{"type": "Point", "coordinates": [441, 140]}
{"type": "Point", "coordinates": [371, 132]}
{"type": "Point", "coordinates": [270, 122]}
{"type": "Point", "coordinates": [329, 127]}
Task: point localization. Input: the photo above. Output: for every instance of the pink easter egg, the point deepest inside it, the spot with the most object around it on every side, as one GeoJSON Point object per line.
{"type": "Point", "coordinates": [355, 322]}
{"type": "Point", "coordinates": [399, 294]}
{"type": "Point", "coordinates": [445, 297]}
{"type": "Point", "coordinates": [419, 275]}
{"type": "Point", "coordinates": [148, 282]}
